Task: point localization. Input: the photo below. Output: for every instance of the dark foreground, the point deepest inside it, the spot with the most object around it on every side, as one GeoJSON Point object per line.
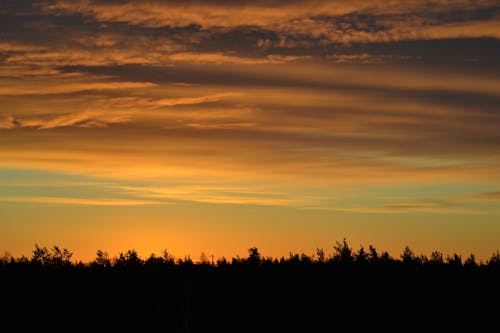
{"type": "Point", "coordinates": [346, 292]}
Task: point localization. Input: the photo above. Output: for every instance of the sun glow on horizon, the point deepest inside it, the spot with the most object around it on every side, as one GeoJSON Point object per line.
{"type": "Point", "coordinates": [285, 126]}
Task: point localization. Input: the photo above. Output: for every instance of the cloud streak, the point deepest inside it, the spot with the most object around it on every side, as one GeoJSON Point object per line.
{"type": "Point", "coordinates": [326, 21]}
{"type": "Point", "coordinates": [78, 201]}
{"type": "Point", "coordinates": [38, 87]}
{"type": "Point", "coordinates": [493, 196]}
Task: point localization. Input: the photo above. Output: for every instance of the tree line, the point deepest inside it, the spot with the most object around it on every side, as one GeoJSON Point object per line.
{"type": "Point", "coordinates": [344, 290]}
{"type": "Point", "coordinates": [342, 254]}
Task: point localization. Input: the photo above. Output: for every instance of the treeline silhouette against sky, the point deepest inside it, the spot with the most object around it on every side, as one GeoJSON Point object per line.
{"type": "Point", "coordinates": [346, 290]}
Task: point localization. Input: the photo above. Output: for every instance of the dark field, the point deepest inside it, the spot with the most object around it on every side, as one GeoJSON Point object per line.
{"type": "Point", "coordinates": [342, 292]}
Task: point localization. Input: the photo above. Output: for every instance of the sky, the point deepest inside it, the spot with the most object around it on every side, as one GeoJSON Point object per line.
{"type": "Point", "coordinates": [213, 126]}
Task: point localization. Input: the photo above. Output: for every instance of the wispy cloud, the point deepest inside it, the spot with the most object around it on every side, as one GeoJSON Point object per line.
{"type": "Point", "coordinates": [494, 196]}
{"type": "Point", "coordinates": [193, 100]}
{"type": "Point", "coordinates": [37, 87]}
{"type": "Point", "coordinates": [212, 194]}
{"type": "Point", "coordinates": [78, 201]}
{"type": "Point", "coordinates": [80, 119]}
{"type": "Point", "coordinates": [220, 58]}
{"type": "Point", "coordinates": [7, 122]}
{"type": "Point", "coordinates": [401, 208]}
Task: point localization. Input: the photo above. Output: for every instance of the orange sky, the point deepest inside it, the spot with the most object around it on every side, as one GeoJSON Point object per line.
{"type": "Point", "coordinates": [218, 125]}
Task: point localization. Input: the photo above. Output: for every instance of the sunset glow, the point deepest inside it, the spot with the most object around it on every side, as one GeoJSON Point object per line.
{"type": "Point", "coordinates": [217, 125]}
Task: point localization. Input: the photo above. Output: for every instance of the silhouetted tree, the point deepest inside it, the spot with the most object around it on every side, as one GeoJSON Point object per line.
{"type": "Point", "coordinates": [321, 255]}
{"type": "Point", "coordinates": [154, 261]}
{"type": "Point", "coordinates": [372, 255]}
{"type": "Point", "coordinates": [436, 258]}
{"type": "Point", "coordinates": [222, 262]}
{"type": "Point", "coordinates": [470, 262]}
{"type": "Point", "coordinates": [60, 257]}
{"type": "Point", "coordinates": [102, 259]}
{"type": "Point", "coordinates": [408, 256]}
{"type": "Point", "coordinates": [454, 260]}
{"type": "Point", "coordinates": [55, 257]}
{"type": "Point", "coordinates": [305, 259]}
{"type": "Point", "coordinates": [168, 258]}
{"type": "Point", "coordinates": [253, 256]}
{"type": "Point", "coordinates": [361, 256]}
{"type": "Point", "coordinates": [204, 259]}
{"type": "Point", "coordinates": [494, 259]}
{"type": "Point", "coordinates": [343, 253]}
{"type": "Point", "coordinates": [40, 256]}
{"type": "Point", "coordinates": [23, 260]}
{"type": "Point", "coordinates": [186, 261]}
{"type": "Point", "coordinates": [293, 258]}
{"type": "Point", "coordinates": [129, 260]}
{"type": "Point", "coordinates": [7, 257]}
{"type": "Point", "coordinates": [236, 260]}
{"type": "Point", "coordinates": [385, 257]}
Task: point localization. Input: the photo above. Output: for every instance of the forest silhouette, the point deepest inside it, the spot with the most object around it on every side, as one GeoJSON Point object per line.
{"type": "Point", "coordinates": [343, 291]}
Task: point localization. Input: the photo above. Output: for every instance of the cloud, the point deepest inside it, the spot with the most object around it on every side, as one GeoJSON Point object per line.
{"type": "Point", "coordinates": [438, 207]}
{"type": "Point", "coordinates": [193, 100]}
{"type": "Point", "coordinates": [78, 201]}
{"type": "Point", "coordinates": [222, 13]}
{"type": "Point", "coordinates": [80, 119]}
{"type": "Point", "coordinates": [219, 58]}
{"type": "Point", "coordinates": [18, 47]}
{"type": "Point", "coordinates": [211, 125]}
{"type": "Point", "coordinates": [410, 206]}
{"type": "Point", "coordinates": [98, 51]}
{"type": "Point", "coordinates": [363, 58]}
{"type": "Point", "coordinates": [7, 122]}
{"type": "Point", "coordinates": [327, 21]}
{"type": "Point", "coordinates": [211, 194]}
{"type": "Point", "coordinates": [61, 86]}
{"type": "Point", "coordinates": [494, 196]}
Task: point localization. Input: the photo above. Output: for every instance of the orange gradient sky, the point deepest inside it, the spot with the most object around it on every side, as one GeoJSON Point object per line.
{"type": "Point", "coordinates": [218, 125]}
